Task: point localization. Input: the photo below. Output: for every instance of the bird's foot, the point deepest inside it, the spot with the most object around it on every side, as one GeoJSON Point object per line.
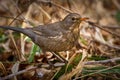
{"type": "Point", "coordinates": [60, 57]}
{"type": "Point", "coordinates": [51, 64]}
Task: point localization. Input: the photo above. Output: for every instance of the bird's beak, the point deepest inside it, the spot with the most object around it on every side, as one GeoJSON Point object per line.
{"type": "Point", "coordinates": [84, 19]}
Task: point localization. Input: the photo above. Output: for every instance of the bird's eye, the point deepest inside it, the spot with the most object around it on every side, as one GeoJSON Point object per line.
{"type": "Point", "coordinates": [73, 18]}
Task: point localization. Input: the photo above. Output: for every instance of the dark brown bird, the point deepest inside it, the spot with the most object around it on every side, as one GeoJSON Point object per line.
{"type": "Point", "coordinates": [54, 37]}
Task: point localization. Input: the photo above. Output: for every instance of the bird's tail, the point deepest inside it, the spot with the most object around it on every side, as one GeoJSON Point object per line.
{"type": "Point", "coordinates": [29, 33]}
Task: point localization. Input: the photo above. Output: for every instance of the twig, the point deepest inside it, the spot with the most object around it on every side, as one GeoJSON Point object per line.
{"type": "Point", "coordinates": [15, 18]}
{"type": "Point", "coordinates": [111, 26]}
{"type": "Point", "coordinates": [29, 69]}
{"type": "Point", "coordinates": [107, 44]}
{"type": "Point", "coordinates": [54, 4]}
{"type": "Point", "coordinates": [18, 73]}
{"type": "Point", "coordinates": [69, 11]}
{"type": "Point", "coordinates": [102, 61]}
{"type": "Point", "coordinates": [59, 65]}
{"type": "Point", "coordinates": [62, 64]}
{"type": "Point", "coordinates": [97, 72]}
{"type": "Point", "coordinates": [116, 3]}
{"type": "Point", "coordinates": [43, 11]}
{"type": "Point", "coordinates": [102, 42]}
{"type": "Point", "coordinates": [93, 24]}
{"type": "Point", "coordinates": [25, 21]}
{"type": "Point", "coordinates": [11, 18]}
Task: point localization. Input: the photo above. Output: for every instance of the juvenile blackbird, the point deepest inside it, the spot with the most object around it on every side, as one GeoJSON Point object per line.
{"type": "Point", "coordinates": [54, 37]}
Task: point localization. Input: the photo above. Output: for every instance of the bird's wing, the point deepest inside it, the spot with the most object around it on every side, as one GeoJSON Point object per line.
{"type": "Point", "coordinates": [50, 30]}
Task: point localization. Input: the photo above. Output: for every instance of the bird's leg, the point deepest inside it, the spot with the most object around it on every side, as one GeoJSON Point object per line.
{"type": "Point", "coordinates": [50, 63]}
{"type": "Point", "coordinates": [59, 57]}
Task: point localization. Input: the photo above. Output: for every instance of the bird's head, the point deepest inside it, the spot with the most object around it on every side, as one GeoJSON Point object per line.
{"type": "Point", "coordinates": [72, 20]}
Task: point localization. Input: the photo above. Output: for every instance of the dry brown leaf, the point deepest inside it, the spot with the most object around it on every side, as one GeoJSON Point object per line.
{"type": "Point", "coordinates": [77, 70]}
{"type": "Point", "coordinates": [2, 68]}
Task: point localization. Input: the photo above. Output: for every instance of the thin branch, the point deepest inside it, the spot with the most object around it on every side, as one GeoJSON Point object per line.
{"type": "Point", "coordinates": [8, 17]}
{"type": "Point", "coordinates": [11, 18]}
{"type": "Point", "coordinates": [97, 72]}
{"type": "Point", "coordinates": [102, 61]}
{"type": "Point", "coordinates": [111, 26]}
{"type": "Point", "coordinates": [116, 3]}
{"type": "Point", "coordinates": [54, 4]}
{"type": "Point", "coordinates": [69, 11]}
{"type": "Point", "coordinates": [94, 24]}
{"type": "Point", "coordinates": [108, 44]}
{"type": "Point", "coordinates": [30, 69]}
{"type": "Point", "coordinates": [18, 73]}
{"type": "Point", "coordinates": [59, 65]}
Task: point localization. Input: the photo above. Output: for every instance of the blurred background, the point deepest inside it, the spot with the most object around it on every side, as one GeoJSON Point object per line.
{"type": "Point", "coordinates": [99, 44]}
